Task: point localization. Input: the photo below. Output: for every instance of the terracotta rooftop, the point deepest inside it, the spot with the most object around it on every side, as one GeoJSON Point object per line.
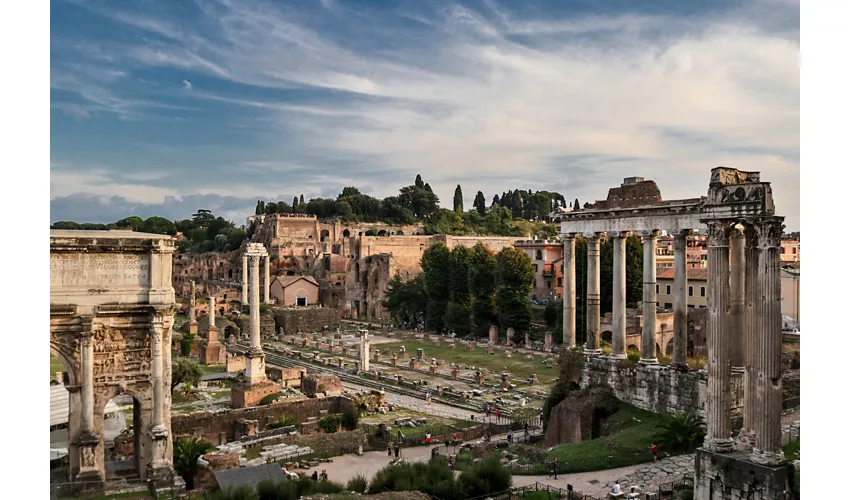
{"type": "Point", "coordinates": [285, 281]}
{"type": "Point", "coordinates": [694, 273]}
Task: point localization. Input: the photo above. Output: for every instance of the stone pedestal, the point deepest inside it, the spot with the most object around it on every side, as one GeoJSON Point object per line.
{"type": "Point", "coordinates": [511, 333]}
{"type": "Point", "coordinates": [394, 360]}
{"type": "Point", "coordinates": [547, 342]}
{"type": "Point", "coordinates": [420, 354]}
{"type": "Point", "coordinates": [455, 373]}
{"type": "Point", "coordinates": [527, 341]}
{"type": "Point", "coordinates": [479, 378]}
{"type": "Point", "coordinates": [433, 369]}
{"type": "Point", "coordinates": [413, 364]}
{"type": "Point", "coordinates": [378, 356]}
{"type": "Point", "coordinates": [494, 334]}
{"type": "Point", "coordinates": [193, 327]}
{"type": "Point", "coordinates": [470, 347]}
{"type": "Point", "coordinates": [733, 475]}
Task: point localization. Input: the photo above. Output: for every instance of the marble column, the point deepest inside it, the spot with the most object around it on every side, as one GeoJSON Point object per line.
{"type": "Point", "coordinates": [768, 446]}
{"type": "Point", "coordinates": [650, 301]}
{"type": "Point", "coordinates": [266, 282]}
{"type": "Point", "coordinates": [192, 304]}
{"type": "Point", "coordinates": [569, 290]}
{"type": "Point", "coordinates": [680, 301]}
{"type": "Point", "coordinates": [718, 420]}
{"type": "Point", "coordinates": [747, 436]}
{"type": "Point", "coordinates": [244, 279]}
{"type": "Point", "coordinates": [212, 312]}
{"type": "Point", "coordinates": [87, 390]}
{"type": "Point", "coordinates": [592, 344]}
{"type": "Point", "coordinates": [618, 314]}
{"type": "Point", "coordinates": [87, 441]}
{"type": "Point", "coordinates": [254, 301]}
{"type": "Point", "coordinates": [737, 308]}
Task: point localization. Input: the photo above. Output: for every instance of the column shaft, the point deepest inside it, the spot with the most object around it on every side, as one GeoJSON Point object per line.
{"type": "Point", "coordinates": [254, 293]}
{"type": "Point", "coordinates": [87, 392]}
{"type": "Point", "coordinates": [680, 301]}
{"type": "Point", "coordinates": [569, 290]}
{"type": "Point", "coordinates": [650, 301]}
{"type": "Point", "coordinates": [718, 421]}
{"type": "Point", "coordinates": [212, 311]}
{"type": "Point", "coordinates": [746, 437]}
{"type": "Point", "coordinates": [592, 344]}
{"type": "Point", "coordinates": [192, 303]}
{"type": "Point", "coordinates": [737, 307]}
{"type": "Point", "coordinates": [618, 339]}
{"type": "Point", "coordinates": [156, 379]}
{"type": "Point", "coordinates": [768, 445]}
{"type": "Point", "coordinates": [244, 279]}
{"type": "Point", "coordinates": [266, 283]}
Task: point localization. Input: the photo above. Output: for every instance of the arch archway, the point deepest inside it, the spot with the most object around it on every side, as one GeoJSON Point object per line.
{"type": "Point", "coordinates": [324, 235]}
{"type": "Point", "coordinates": [668, 351]}
{"type": "Point", "coordinates": [607, 336]}
{"type": "Point", "coordinates": [633, 348]}
{"type": "Point", "coordinates": [346, 233]}
{"type": "Point", "coordinates": [399, 233]}
{"type": "Point", "coordinates": [290, 273]}
{"type": "Point", "coordinates": [382, 233]}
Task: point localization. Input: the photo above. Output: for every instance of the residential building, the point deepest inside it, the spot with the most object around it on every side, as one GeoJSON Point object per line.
{"type": "Point", "coordinates": [790, 251]}
{"type": "Point", "coordinates": [790, 283]}
{"type": "Point", "coordinates": [546, 259]}
{"type": "Point", "coordinates": [697, 290]}
{"type": "Point", "coordinates": [295, 290]}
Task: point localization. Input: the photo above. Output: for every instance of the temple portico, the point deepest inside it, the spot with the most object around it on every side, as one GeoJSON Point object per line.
{"type": "Point", "coordinates": [744, 319]}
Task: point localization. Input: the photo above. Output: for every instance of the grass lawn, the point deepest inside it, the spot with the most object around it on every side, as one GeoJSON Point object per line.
{"type": "Point", "coordinates": [516, 365]}
{"type": "Point", "coordinates": [208, 369]}
{"type": "Point", "coordinates": [628, 444]}
{"type": "Point", "coordinates": [56, 366]}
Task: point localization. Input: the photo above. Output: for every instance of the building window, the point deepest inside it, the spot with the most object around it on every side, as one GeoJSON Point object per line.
{"type": "Point", "coordinates": [657, 288]}
{"type": "Point", "coordinates": [691, 306]}
{"type": "Point", "coordinates": [548, 284]}
{"type": "Point", "coordinates": [560, 281]}
{"type": "Point", "coordinates": [668, 289]}
{"type": "Point", "coordinates": [794, 250]}
{"type": "Point", "coordinates": [702, 291]}
{"type": "Point", "coordinates": [539, 255]}
{"type": "Point", "coordinates": [668, 305]}
{"type": "Point", "coordinates": [690, 291]}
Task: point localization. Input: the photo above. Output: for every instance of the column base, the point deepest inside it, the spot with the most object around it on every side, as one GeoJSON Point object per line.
{"type": "Point", "coordinates": [593, 352]}
{"type": "Point", "coordinates": [618, 357]}
{"type": "Point", "coordinates": [158, 432]}
{"type": "Point", "coordinates": [767, 457]}
{"type": "Point", "coordinates": [161, 473]}
{"type": "Point", "coordinates": [726, 445]}
{"type": "Point", "coordinates": [648, 361]}
{"type": "Point", "coordinates": [746, 440]}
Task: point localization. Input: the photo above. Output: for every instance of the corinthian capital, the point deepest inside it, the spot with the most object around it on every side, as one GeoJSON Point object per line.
{"type": "Point", "coordinates": [718, 233]}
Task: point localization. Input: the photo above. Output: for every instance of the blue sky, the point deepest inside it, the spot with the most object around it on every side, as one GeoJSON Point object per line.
{"type": "Point", "coordinates": [162, 107]}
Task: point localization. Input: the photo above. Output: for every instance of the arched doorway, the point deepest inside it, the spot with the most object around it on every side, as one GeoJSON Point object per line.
{"type": "Point", "coordinates": [324, 235]}
{"type": "Point", "coordinates": [346, 233]}
{"type": "Point", "coordinates": [121, 438]}
{"type": "Point", "coordinates": [382, 233]}
{"type": "Point", "coordinates": [607, 336]}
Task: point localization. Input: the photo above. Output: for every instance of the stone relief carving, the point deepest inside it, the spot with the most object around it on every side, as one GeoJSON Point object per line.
{"type": "Point", "coordinates": [739, 194]}
{"type": "Point", "coordinates": [731, 176]}
{"type": "Point", "coordinates": [87, 457]}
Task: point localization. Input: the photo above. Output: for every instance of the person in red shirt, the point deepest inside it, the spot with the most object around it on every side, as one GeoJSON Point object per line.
{"type": "Point", "coordinates": [654, 452]}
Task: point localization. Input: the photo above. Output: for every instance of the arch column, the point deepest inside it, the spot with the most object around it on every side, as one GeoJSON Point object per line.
{"type": "Point", "coordinates": [618, 339]}
{"type": "Point", "coordinates": [718, 420]}
{"type": "Point", "coordinates": [592, 343]}
{"type": "Point", "coordinates": [680, 301]}
{"type": "Point", "coordinates": [87, 441]}
{"type": "Point", "coordinates": [650, 301]}
{"type": "Point", "coordinates": [569, 290]}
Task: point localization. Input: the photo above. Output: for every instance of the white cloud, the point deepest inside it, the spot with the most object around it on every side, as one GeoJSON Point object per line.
{"type": "Point", "coordinates": [187, 85]}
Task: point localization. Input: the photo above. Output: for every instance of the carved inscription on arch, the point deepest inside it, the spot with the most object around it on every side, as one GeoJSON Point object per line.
{"type": "Point", "coordinates": [100, 270]}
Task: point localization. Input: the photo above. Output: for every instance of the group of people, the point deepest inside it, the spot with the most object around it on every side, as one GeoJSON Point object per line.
{"type": "Point", "coordinates": [317, 477]}
{"type": "Point", "coordinates": [392, 449]}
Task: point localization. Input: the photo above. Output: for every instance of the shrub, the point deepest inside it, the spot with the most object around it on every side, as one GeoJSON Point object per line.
{"type": "Point", "coordinates": [282, 421]}
{"type": "Point", "coordinates": [265, 308]}
{"type": "Point", "coordinates": [350, 417]}
{"type": "Point", "coordinates": [434, 478]}
{"type": "Point", "coordinates": [235, 493]}
{"type": "Point", "coordinates": [186, 454]}
{"type": "Point", "coordinates": [271, 398]}
{"type": "Point", "coordinates": [682, 433]}
{"type": "Point", "coordinates": [294, 490]}
{"type": "Point", "coordinates": [486, 477]}
{"type": "Point", "coordinates": [357, 484]}
{"type": "Point", "coordinates": [331, 423]}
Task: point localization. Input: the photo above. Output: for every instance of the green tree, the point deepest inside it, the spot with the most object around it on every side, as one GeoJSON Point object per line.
{"type": "Point", "coordinates": [480, 204]}
{"type": "Point", "coordinates": [132, 223]}
{"type": "Point", "coordinates": [428, 188]}
{"type": "Point", "coordinates": [294, 204]}
{"type": "Point", "coordinates": [436, 268]}
{"type": "Point", "coordinates": [421, 202]}
{"type": "Point", "coordinates": [259, 208]}
{"type": "Point", "coordinates": [349, 191]}
{"type": "Point", "coordinates": [202, 217]}
{"type": "Point", "coordinates": [301, 201]}
{"type": "Point", "coordinates": [65, 224]}
{"type": "Point", "coordinates": [458, 200]}
{"type": "Point", "coordinates": [406, 301]}
{"type": "Point", "coordinates": [184, 370]}
{"type": "Point", "coordinates": [159, 225]}
{"type": "Point", "coordinates": [418, 182]}
{"type": "Point", "coordinates": [186, 454]}
{"type": "Point", "coordinates": [482, 286]}
{"type": "Point", "coordinates": [576, 206]}
{"type": "Point", "coordinates": [550, 315]}
{"type": "Point", "coordinates": [514, 280]}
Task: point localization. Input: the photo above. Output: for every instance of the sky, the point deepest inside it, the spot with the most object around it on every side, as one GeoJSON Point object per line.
{"type": "Point", "coordinates": [162, 107]}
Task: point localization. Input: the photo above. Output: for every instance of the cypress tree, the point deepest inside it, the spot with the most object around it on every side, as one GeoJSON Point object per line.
{"type": "Point", "coordinates": [575, 205]}
{"type": "Point", "coordinates": [428, 188]}
{"type": "Point", "coordinates": [301, 200]}
{"type": "Point", "coordinates": [495, 200]}
{"type": "Point", "coordinates": [294, 203]}
{"type": "Point", "coordinates": [418, 182]}
{"type": "Point", "coordinates": [458, 200]}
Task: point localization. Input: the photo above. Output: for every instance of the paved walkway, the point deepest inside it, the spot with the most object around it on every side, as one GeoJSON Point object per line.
{"type": "Point", "coordinates": [418, 404]}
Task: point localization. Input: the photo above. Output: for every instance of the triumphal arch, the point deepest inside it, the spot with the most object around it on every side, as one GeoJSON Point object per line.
{"type": "Point", "coordinates": [111, 312]}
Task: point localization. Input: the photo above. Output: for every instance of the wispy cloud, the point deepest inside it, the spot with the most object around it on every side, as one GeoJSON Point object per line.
{"type": "Point", "coordinates": [478, 94]}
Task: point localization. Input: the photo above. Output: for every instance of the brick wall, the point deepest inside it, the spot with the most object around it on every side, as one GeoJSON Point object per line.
{"type": "Point", "coordinates": [211, 425]}
{"type": "Point", "coordinates": [305, 320]}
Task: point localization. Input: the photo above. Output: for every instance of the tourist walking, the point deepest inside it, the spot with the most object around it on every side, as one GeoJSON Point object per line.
{"type": "Point", "coordinates": [390, 450]}
{"type": "Point", "coordinates": [510, 437]}
{"type": "Point", "coordinates": [499, 415]}
{"type": "Point", "coordinates": [427, 438]}
{"type": "Point", "coordinates": [554, 468]}
{"type": "Point", "coordinates": [396, 451]}
{"type": "Point", "coordinates": [654, 452]}
{"type": "Point", "coordinates": [315, 476]}
{"type": "Point", "coordinates": [541, 419]}
{"type": "Point", "coordinates": [526, 432]}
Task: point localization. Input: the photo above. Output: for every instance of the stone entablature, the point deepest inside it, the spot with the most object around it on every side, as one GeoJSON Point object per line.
{"type": "Point", "coordinates": [111, 315]}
